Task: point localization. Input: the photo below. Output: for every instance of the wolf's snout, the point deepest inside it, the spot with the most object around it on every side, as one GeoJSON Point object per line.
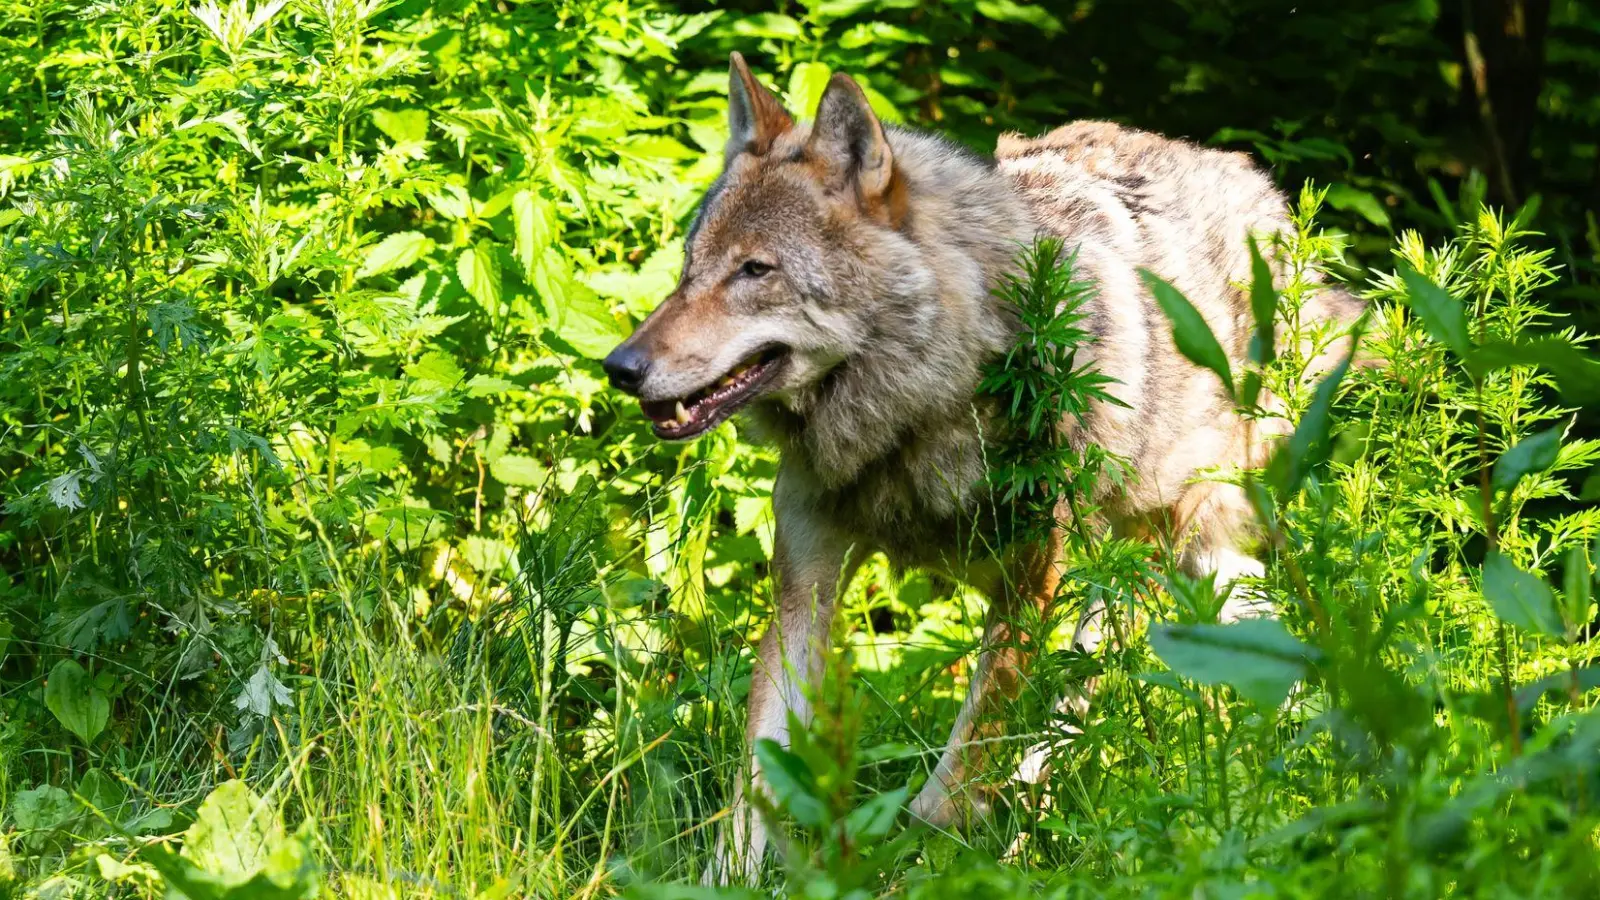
{"type": "Point", "coordinates": [626, 366]}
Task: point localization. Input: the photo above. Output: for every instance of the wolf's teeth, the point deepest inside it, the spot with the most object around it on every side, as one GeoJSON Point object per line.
{"type": "Point", "coordinates": [682, 414]}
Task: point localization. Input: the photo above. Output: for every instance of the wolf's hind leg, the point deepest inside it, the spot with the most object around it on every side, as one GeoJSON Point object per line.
{"type": "Point", "coordinates": [948, 799]}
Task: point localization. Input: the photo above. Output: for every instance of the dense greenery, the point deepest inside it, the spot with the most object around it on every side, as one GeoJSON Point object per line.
{"type": "Point", "coordinates": [333, 568]}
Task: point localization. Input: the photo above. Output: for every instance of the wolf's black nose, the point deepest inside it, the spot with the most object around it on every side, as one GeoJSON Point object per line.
{"type": "Point", "coordinates": [627, 367]}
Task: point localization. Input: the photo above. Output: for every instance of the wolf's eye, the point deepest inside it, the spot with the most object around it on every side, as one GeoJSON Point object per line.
{"type": "Point", "coordinates": [754, 269]}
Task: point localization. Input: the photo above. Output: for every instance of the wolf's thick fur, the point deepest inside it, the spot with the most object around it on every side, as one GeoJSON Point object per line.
{"type": "Point", "coordinates": [875, 253]}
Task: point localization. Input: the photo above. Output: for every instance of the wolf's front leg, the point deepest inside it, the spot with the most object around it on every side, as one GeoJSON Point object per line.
{"type": "Point", "coordinates": [811, 563]}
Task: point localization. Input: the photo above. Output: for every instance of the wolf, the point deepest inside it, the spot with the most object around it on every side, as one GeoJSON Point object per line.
{"type": "Point", "coordinates": [838, 290]}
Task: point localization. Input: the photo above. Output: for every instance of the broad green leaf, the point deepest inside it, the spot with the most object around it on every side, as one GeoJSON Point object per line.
{"type": "Point", "coordinates": [1363, 203]}
{"type": "Point", "coordinates": [807, 81]}
{"type": "Point", "coordinates": [794, 787]}
{"type": "Point", "coordinates": [1531, 454]}
{"type": "Point", "coordinates": [102, 792]}
{"type": "Point", "coordinates": [1442, 315]}
{"type": "Point", "coordinates": [77, 702]}
{"type": "Point", "coordinates": [767, 25]}
{"type": "Point", "coordinates": [436, 370]}
{"type": "Point", "coordinates": [402, 125]}
{"type": "Point", "coordinates": [42, 808]}
{"type": "Point", "coordinates": [587, 325]}
{"type": "Point", "coordinates": [1520, 598]}
{"type": "Point", "coordinates": [233, 833]}
{"type": "Point", "coordinates": [872, 820]}
{"type": "Point", "coordinates": [533, 219]}
{"type": "Point", "coordinates": [478, 267]}
{"type": "Point", "coordinates": [523, 471]}
{"type": "Point", "coordinates": [1309, 446]}
{"type": "Point", "coordinates": [395, 252]}
{"type": "Point", "coordinates": [1259, 658]}
{"type": "Point", "coordinates": [1189, 329]}
{"type": "Point", "coordinates": [1577, 374]}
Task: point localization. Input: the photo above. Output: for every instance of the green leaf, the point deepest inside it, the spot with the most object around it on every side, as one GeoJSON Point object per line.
{"type": "Point", "coordinates": [794, 787]}
{"type": "Point", "coordinates": [1020, 14]}
{"type": "Point", "coordinates": [1520, 598]}
{"type": "Point", "coordinates": [478, 267]}
{"type": "Point", "coordinates": [1531, 454]}
{"type": "Point", "coordinates": [533, 220]}
{"type": "Point", "coordinates": [436, 370]}
{"type": "Point", "coordinates": [1442, 315]}
{"type": "Point", "coordinates": [43, 808]}
{"type": "Point", "coordinates": [402, 125]}
{"type": "Point", "coordinates": [1577, 374]}
{"type": "Point", "coordinates": [1263, 307]}
{"type": "Point", "coordinates": [872, 820]}
{"type": "Point", "coordinates": [524, 471]}
{"type": "Point", "coordinates": [395, 252]}
{"type": "Point", "coordinates": [1259, 658]}
{"type": "Point", "coordinates": [1309, 446]}
{"type": "Point", "coordinates": [1577, 587]}
{"type": "Point", "coordinates": [78, 704]}
{"type": "Point", "coordinates": [586, 324]}
{"type": "Point", "coordinates": [807, 81]}
{"type": "Point", "coordinates": [1363, 203]}
{"type": "Point", "coordinates": [1189, 329]}
{"type": "Point", "coordinates": [233, 833]}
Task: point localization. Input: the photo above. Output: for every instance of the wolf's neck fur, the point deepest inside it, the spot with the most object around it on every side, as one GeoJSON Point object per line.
{"type": "Point", "coordinates": [903, 410]}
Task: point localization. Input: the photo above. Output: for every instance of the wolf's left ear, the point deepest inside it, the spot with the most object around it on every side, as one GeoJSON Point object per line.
{"type": "Point", "coordinates": [755, 115]}
{"type": "Point", "coordinates": [849, 141]}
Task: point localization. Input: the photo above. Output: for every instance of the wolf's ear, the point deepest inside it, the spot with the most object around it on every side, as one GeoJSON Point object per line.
{"type": "Point", "coordinates": [848, 141]}
{"type": "Point", "coordinates": [755, 115]}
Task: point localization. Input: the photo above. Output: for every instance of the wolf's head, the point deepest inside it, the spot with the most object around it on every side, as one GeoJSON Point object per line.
{"type": "Point", "coordinates": [790, 269]}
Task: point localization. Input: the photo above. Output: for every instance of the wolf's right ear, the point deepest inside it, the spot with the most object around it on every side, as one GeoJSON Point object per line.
{"type": "Point", "coordinates": [755, 115]}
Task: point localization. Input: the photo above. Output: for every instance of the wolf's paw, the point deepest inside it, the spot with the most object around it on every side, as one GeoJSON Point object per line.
{"type": "Point", "coordinates": [944, 810]}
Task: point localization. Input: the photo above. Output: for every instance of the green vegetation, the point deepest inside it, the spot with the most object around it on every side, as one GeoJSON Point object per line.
{"type": "Point", "coordinates": [333, 568]}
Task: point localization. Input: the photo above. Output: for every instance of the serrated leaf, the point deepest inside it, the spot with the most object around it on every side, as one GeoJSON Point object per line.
{"type": "Point", "coordinates": [65, 490]}
{"type": "Point", "coordinates": [395, 252]}
{"type": "Point", "coordinates": [587, 325]}
{"type": "Point", "coordinates": [1577, 374]}
{"type": "Point", "coordinates": [1520, 598]}
{"type": "Point", "coordinates": [1442, 315]}
{"type": "Point", "coordinates": [76, 701]}
{"type": "Point", "coordinates": [1534, 453]}
{"type": "Point", "coordinates": [478, 267]}
{"type": "Point", "coordinates": [233, 834]}
{"type": "Point", "coordinates": [1189, 329]}
{"type": "Point", "coordinates": [436, 370]}
{"type": "Point", "coordinates": [1259, 658]}
{"type": "Point", "coordinates": [533, 220]}
{"type": "Point", "coordinates": [807, 81]}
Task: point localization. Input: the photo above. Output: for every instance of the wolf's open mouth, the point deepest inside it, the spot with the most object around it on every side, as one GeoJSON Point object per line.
{"type": "Point", "coordinates": [694, 415]}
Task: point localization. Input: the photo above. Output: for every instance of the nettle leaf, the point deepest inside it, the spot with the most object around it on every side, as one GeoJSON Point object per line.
{"type": "Point", "coordinates": [436, 370]}
{"type": "Point", "coordinates": [1520, 598]}
{"type": "Point", "coordinates": [395, 252]}
{"type": "Point", "coordinates": [1259, 658]}
{"type": "Point", "coordinates": [794, 787]}
{"type": "Point", "coordinates": [478, 267]}
{"type": "Point", "coordinates": [1189, 329]}
{"type": "Point", "coordinates": [1531, 454]}
{"type": "Point", "coordinates": [586, 324]}
{"type": "Point", "coordinates": [534, 225]}
{"type": "Point", "coordinates": [76, 701]}
{"type": "Point", "coordinates": [1442, 315]}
